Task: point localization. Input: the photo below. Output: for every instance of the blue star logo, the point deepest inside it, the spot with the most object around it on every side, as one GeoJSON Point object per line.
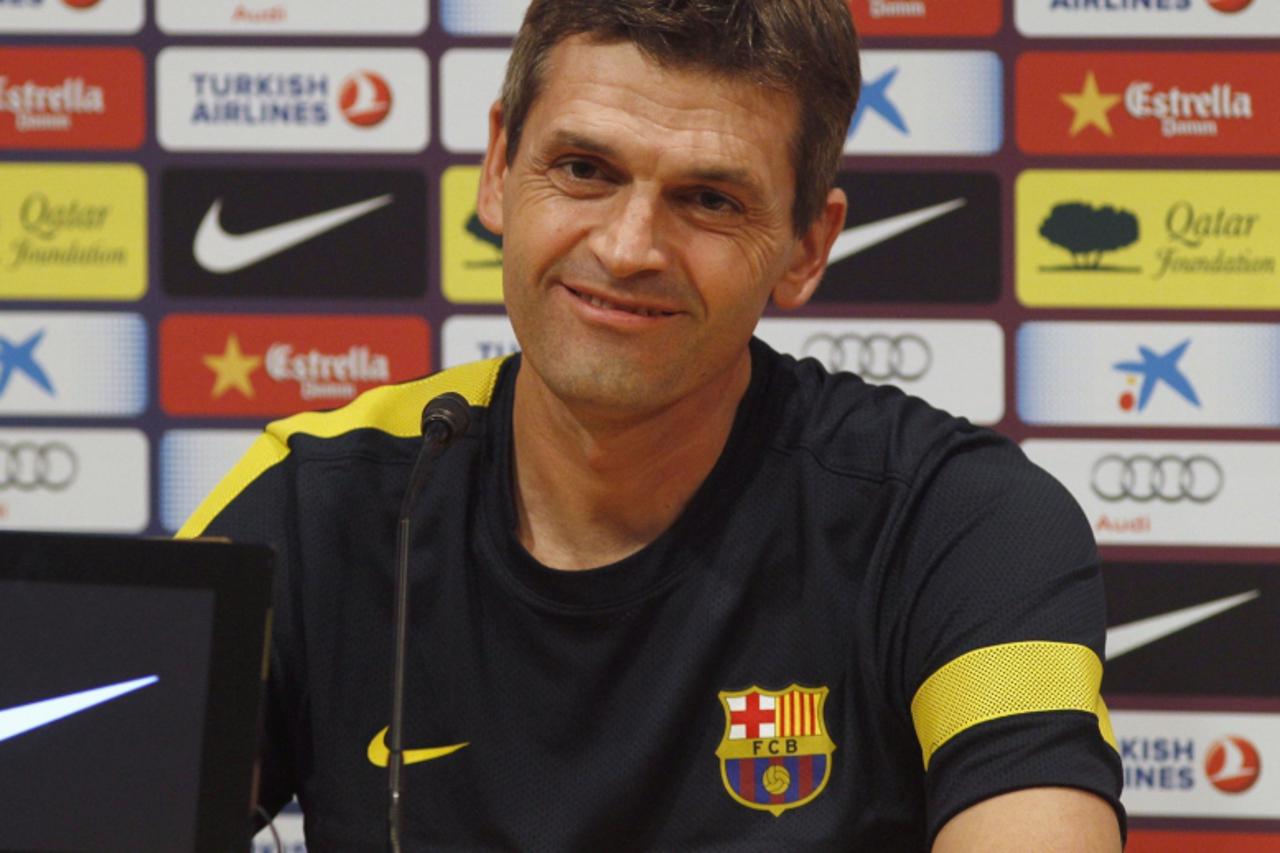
{"type": "Point", "coordinates": [875, 97]}
{"type": "Point", "coordinates": [1155, 369]}
{"type": "Point", "coordinates": [21, 357]}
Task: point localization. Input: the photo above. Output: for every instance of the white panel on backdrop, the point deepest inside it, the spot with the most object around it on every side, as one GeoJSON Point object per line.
{"type": "Point", "coordinates": [482, 17]}
{"type": "Point", "coordinates": [292, 99]}
{"type": "Point", "coordinates": [51, 17]}
{"type": "Point", "coordinates": [470, 81]}
{"type": "Point", "coordinates": [475, 338]}
{"type": "Point", "coordinates": [192, 462]}
{"type": "Point", "coordinates": [1170, 492]}
{"type": "Point", "coordinates": [81, 480]}
{"type": "Point", "coordinates": [72, 363]}
{"type": "Point", "coordinates": [956, 365]}
{"type": "Point", "coordinates": [1149, 374]}
{"type": "Point", "coordinates": [1199, 764]}
{"type": "Point", "coordinates": [1158, 19]}
{"type": "Point", "coordinates": [292, 17]}
{"type": "Point", "coordinates": [929, 102]}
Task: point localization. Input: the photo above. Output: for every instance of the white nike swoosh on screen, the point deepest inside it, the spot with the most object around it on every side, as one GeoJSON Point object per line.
{"type": "Point", "coordinates": [23, 718]}
{"type": "Point", "coordinates": [220, 252]}
{"type": "Point", "coordinates": [862, 237]}
{"type": "Point", "coordinates": [1123, 639]}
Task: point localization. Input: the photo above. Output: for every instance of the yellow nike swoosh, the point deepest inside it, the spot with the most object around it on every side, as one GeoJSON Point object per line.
{"type": "Point", "coordinates": [379, 754]}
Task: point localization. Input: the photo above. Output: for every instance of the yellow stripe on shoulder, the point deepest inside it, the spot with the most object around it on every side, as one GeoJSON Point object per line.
{"type": "Point", "coordinates": [393, 409]}
{"type": "Point", "coordinates": [1000, 681]}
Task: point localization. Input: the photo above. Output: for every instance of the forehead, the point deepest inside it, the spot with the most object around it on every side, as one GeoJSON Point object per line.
{"type": "Point", "coordinates": [615, 90]}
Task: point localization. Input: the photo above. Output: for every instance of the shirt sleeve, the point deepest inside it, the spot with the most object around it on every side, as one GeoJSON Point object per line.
{"type": "Point", "coordinates": [1001, 639]}
{"type": "Point", "coordinates": [254, 504]}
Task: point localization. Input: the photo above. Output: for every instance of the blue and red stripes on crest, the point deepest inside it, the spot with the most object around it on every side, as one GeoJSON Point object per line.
{"type": "Point", "coordinates": [746, 777]}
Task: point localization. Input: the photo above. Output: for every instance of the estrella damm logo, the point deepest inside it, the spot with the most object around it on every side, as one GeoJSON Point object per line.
{"type": "Point", "coordinates": [1096, 103]}
{"type": "Point", "coordinates": [775, 754]}
{"type": "Point", "coordinates": [471, 254]}
{"type": "Point", "coordinates": [1148, 239]}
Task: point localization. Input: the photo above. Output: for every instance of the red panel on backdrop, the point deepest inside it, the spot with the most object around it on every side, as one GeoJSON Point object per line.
{"type": "Point", "coordinates": [1165, 841]}
{"type": "Point", "coordinates": [1148, 103]}
{"type": "Point", "coordinates": [927, 17]}
{"type": "Point", "coordinates": [74, 97]}
{"type": "Point", "coordinates": [233, 365]}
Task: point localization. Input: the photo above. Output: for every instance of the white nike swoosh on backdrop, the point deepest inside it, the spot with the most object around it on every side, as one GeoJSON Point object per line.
{"type": "Point", "coordinates": [1123, 639]}
{"type": "Point", "coordinates": [220, 252]}
{"type": "Point", "coordinates": [23, 718]}
{"type": "Point", "coordinates": [862, 237]}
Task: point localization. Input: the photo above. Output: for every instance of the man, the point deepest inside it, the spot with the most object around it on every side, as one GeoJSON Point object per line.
{"type": "Point", "coordinates": [673, 590]}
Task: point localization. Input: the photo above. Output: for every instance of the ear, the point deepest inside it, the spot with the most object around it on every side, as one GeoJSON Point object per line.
{"type": "Point", "coordinates": [493, 173]}
{"type": "Point", "coordinates": [809, 256]}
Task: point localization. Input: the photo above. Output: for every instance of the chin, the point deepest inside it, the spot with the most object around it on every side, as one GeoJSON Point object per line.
{"type": "Point", "coordinates": [607, 384]}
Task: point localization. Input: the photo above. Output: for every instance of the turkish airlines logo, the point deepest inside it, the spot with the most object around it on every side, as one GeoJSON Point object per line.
{"type": "Point", "coordinates": [292, 99]}
{"type": "Point", "coordinates": [1168, 478]}
{"type": "Point", "coordinates": [879, 357]}
{"type": "Point", "coordinates": [1230, 7]}
{"type": "Point", "coordinates": [81, 4]}
{"type": "Point", "coordinates": [1232, 765]}
{"type": "Point", "coordinates": [28, 466]}
{"type": "Point", "coordinates": [71, 98]}
{"type": "Point", "coordinates": [365, 99]}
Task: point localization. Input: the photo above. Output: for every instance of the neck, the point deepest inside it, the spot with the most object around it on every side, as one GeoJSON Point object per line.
{"type": "Point", "coordinates": [592, 487]}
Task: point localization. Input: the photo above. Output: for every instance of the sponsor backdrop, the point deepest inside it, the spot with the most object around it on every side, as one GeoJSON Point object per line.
{"type": "Point", "coordinates": [1064, 224]}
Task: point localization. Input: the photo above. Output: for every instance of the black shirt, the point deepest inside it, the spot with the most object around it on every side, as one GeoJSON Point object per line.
{"type": "Point", "coordinates": [870, 616]}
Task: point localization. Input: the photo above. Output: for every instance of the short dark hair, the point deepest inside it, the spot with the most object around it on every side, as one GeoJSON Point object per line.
{"type": "Point", "coordinates": [806, 48]}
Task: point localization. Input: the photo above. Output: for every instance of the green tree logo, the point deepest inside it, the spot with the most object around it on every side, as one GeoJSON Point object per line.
{"type": "Point", "coordinates": [1088, 233]}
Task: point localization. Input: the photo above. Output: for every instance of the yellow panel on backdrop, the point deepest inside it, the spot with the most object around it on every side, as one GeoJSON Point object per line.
{"type": "Point", "coordinates": [1148, 239]}
{"type": "Point", "coordinates": [471, 254]}
{"type": "Point", "coordinates": [73, 231]}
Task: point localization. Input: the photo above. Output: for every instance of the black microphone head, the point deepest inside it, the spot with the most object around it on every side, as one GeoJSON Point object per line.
{"type": "Point", "coordinates": [450, 410]}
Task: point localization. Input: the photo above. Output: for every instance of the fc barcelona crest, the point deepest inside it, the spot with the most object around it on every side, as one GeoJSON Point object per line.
{"type": "Point", "coordinates": [775, 754]}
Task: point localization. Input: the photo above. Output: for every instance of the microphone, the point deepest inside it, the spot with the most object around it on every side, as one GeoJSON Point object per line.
{"type": "Point", "coordinates": [444, 420]}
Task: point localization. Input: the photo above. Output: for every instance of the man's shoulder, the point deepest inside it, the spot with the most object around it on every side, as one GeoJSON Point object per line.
{"type": "Point", "coordinates": [866, 430]}
{"type": "Point", "coordinates": [392, 410]}
{"type": "Point", "coordinates": [382, 423]}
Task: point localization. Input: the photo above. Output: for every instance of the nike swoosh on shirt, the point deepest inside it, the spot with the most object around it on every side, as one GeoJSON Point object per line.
{"type": "Point", "coordinates": [24, 718]}
{"type": "Point", "coordinates": [862, 237]}
{"type": "Point", "coordinates": [1123, 639]}
{"type": "Point", "coordinates": [220, 252]}
{"type": "Point", "coordinates": [379, 754]}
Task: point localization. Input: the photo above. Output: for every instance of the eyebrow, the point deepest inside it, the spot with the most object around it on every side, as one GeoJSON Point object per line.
{"type": "Point", "coordinates": [716, 174]}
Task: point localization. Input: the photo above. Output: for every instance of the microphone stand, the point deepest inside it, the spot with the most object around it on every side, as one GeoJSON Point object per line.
{"type": "Point", "coordinates": [445, 419]}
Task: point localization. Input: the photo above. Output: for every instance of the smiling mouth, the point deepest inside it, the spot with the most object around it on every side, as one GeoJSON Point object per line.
{"type": "Point", "coordinates": [638, 310]}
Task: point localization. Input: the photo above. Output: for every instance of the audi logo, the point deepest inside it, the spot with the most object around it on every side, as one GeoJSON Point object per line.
{"type": "Point", "coordinates": [1171, 479]}
{"type": "Point", "coordinates": [27, 466]}
{"type": "Point", "coordinates": [879, 357]}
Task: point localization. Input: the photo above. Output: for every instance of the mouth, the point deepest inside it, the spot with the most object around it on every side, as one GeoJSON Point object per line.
{"type": "Point", "coordinates": [611, 305]}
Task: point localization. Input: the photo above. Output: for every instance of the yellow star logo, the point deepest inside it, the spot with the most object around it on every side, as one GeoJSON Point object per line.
{"type": "Point", "coordinates": [232, 369]}
{"type": "Point", "coordinates": [1091, 107]}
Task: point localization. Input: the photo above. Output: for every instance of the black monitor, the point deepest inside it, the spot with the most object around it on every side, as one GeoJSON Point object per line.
{"type": "Point", "coordinates": [131, 678]}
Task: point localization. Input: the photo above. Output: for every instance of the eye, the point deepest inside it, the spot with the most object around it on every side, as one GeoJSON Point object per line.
{"type": "Point", "coordinates": [715, 202]}
{"type": "Point", "coordinates": [582, 170]}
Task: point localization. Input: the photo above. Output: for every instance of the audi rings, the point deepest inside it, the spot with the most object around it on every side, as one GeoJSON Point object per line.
{"type": "Point", "coordinates": [879, 357]}
{"type": "Point", "coordinates": [27, 466]}
{"type": "Point", "coordinates": [1170, 479]}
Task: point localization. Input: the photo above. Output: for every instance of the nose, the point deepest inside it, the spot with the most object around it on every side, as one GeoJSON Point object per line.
{"type": "Point", "coordinates": [628, 243]}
